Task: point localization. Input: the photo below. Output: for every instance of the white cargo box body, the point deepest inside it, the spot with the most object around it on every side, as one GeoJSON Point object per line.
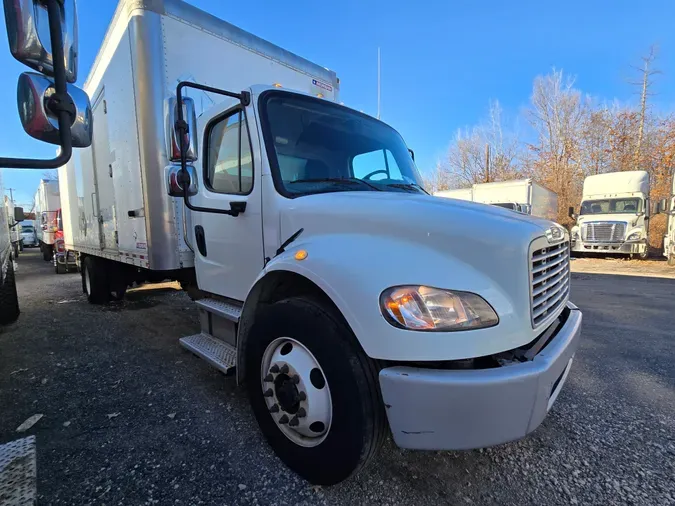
{"type": "Point", "coordinates": [47, 203]}
{"type": "Point", "coordinates": [631, 183]}
{"type": "Point", "coordinates": [544, 202]}
{"type": "Point", "coordinates": [460, 194]}
{"type": "Point", "coordinates": [114, 197]}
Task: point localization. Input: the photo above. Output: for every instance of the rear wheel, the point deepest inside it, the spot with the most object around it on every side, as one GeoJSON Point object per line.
{"type": "Point", "coordinates": [95, 281]}
{"type": "Point", "coordinates": [47, 253]}
{"type": "Point", "coordinates": [60, 268]}
{"type": "Point", "coordinates": [9, 300]}
{"type": "Point", "coordinates": [313, 391]}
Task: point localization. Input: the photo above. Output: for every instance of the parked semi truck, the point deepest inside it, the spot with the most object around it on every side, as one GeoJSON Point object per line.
{"type": "Point", "coordinates": [522, 195]}
{"type": "Point", "coordinates": [15, 236]}
{"type": "Point", "coordinates": [9, 301]}
{"type": "Point", "coordinates": [47, 205]}
{"type": "Point", "coordinates": [346, 299]}
{"type": "Point", "coordinates": [614, 215]}
{"type": "Point", "coordinates": [667, 206]}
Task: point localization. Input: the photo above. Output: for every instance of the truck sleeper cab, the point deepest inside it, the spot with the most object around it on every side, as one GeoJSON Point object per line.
{"type": "Point", "coordinates": [614, 215]}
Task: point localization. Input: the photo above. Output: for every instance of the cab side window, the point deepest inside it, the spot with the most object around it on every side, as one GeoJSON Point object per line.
{"type": "Point", "coordinates": [229, 163]}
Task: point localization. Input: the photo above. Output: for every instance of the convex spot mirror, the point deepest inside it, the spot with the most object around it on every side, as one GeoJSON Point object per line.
{"type": "Point", "coordinates": [173, 180]}
{"type": "Point", "coordinates": [32, 95]}
{"type": "Point", "coordinates": [172, 134]}
{"type": "Point", "coordinates": [28, 33]}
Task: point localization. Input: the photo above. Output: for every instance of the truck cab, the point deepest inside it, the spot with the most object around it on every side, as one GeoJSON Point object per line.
{"type": "Point", "coordinates": [614, 215]}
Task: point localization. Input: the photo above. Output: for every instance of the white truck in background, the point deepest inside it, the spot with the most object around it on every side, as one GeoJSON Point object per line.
{"type": "Point", "coordinates": [15, 236]}
{"type": "Point", "coordinates": [667, 206]}
{"type": "Point", "coordinates": [47, 205]}
{"type": "Point", "coordinates": [522, 195]}
{"type": "Point", "coordinates": [341, 294]}
{"type": "Point", "coordinates": [614, 215]}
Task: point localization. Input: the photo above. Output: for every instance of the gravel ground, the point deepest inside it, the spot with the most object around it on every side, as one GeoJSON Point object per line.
{"type": "Point", "coordinates": [131, 418]}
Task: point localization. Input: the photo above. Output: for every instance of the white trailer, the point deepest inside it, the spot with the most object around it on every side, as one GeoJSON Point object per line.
{"type": "Point", "coordinates": [459, 194]}
{"type": "Point", "coordinates": [614, 215]}
{"type": "Point", "coordinates": [343, 296]}
{"type": "Point", "coordinates": [668, 206]}
{"type": "Point", "coordinates": [47, 205]}
{"type": "Point", "coordinates": [14, 227]}
{"type": "Point", "coordinates": [522, 195]}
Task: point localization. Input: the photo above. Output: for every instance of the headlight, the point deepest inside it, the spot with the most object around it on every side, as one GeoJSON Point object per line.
{"type": "Point", "coordinates": [635, 236]}
{"type": "Point", "coordinates": [426, 308]}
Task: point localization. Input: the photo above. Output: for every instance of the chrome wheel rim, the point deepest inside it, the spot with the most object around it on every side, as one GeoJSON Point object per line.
{"type": "Point", "coordinates": [296, 392]}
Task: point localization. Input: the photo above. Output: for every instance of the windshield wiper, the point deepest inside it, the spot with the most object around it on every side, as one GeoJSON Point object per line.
{"type": "Point", "coordinates": [408, 186]}
{"type": "Point", "coordinates": [343, 180]}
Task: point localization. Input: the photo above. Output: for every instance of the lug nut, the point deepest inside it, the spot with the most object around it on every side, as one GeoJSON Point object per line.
{"type": "Point", "coordinates": [295, 379]}
{"type": "Point", "coordinates": [294, 422]}
{"type": "Point", "coordinates": [284, 369]}
{"type": "Point", "coordinates": [268, 393]}
{"type": "Point", "coordinates": [301, 413]}
{"type": "Point", "coordinates": [302, 396]}
{"type": "Point", "coordinates": [269, 378]}
{"type": "Point", "coordinates": [274, 409]}
{"type": "Point", "coordinates": [283, 420]}
{"type": "Point", "coordinates": [274, 369]}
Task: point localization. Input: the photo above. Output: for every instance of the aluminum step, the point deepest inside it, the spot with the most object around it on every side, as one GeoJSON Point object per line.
{"type": "Point", "coordinates": [226, 310]}
{"type": "Point", "coordinates": [18, 473]}
{"type": "Point", "coordinates": [218, 353]}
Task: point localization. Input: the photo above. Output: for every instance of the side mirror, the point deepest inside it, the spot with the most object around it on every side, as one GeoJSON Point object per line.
{"type": "Point", "coordinates": [660, 207]}
{"type": "Point", "coordinates": [33, 96]}
{"type": "Point", "coordinates": [18, 214]}
{"type": "Point", "coordinates": [412, 154]}
{"type": "Point", "coordinates": [174, 183]}
{"type": "Point", "coordinates": [172, 140]}
{"type": "Point", "coordinates": [29, 39]}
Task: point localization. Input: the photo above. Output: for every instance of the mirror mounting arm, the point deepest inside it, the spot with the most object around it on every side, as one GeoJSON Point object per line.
{"type": "Point", "coordinates": [63, 114]}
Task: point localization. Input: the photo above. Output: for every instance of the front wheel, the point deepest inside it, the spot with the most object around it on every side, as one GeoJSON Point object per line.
{"type": "Point", "coordinates": [95, 281]}
{"type": "Point", "coordinates": [47, 253]}
{"type": "Point", "coordinates": [313, 391]}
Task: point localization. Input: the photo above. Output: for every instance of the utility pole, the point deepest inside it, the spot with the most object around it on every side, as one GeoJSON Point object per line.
{"type": "Point", "coordinates": [647, 73]}
{"type": "Point", "coordinates": [487, 162]}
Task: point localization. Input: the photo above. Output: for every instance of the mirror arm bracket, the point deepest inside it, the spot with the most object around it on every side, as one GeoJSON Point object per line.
{"type": "Point", "coordinates": [56, 37]}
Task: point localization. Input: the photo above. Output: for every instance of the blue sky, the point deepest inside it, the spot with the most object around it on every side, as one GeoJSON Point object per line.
{"type": "Point", "coordinates": [442, 60]}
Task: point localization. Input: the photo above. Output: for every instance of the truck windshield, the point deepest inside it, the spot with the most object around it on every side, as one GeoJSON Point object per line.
{"type": "Point", "coordinates": [315, 146]}
{"type": "Point", "coordinates": [612, 206]}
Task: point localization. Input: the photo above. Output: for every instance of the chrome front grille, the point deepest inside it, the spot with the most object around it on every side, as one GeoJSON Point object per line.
{"type": "Point", "coordinates": [550, 275]}
{"type": "Point", "coordinates": [603, 231]}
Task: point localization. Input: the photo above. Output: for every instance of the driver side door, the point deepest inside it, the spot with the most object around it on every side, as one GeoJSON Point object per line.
{"type": "Point", "coordinates": [228, 249]}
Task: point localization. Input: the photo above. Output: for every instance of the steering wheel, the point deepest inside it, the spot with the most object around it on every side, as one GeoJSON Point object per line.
{"type": "Point", "coordinates": [379, 171]}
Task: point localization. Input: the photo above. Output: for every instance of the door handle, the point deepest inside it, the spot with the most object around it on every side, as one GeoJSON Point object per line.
{"type": "Point", "coordinates": [93, 205]}
{"type": "Point", "coordinates": [200, 239]}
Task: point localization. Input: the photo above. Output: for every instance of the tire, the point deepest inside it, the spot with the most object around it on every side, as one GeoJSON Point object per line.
{"type": "Point", "coordinates": [95, 281]}
{"type": "Point", "coordinates": [118, 293]}
{"type": "Point", "coordinates": [644, 256]}
{"type": "Point", "coordinates": [671, 260]}
{"type": "Point", "coordinates": [9, 300]}
{"type": "Point", "coordinates": [16, 250]}
{"type": "Point", "coordinates": [357, 426]}
{"type": "Point", "coordinates": [47, 253]}
{"type": "Point", "coordinates": [60, 268]}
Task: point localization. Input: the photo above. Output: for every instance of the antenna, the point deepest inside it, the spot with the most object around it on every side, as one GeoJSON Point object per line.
{"type": "Point", "coordinates": [378, 82]}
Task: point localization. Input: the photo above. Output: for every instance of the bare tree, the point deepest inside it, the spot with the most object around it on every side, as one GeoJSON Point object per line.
{"type": "Point", "coordinates": [645, 84]}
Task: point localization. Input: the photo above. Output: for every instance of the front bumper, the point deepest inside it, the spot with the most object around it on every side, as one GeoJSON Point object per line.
{"type": "Point", "coordinates": [630, 248]}
{"type": "Point", "coordinates": [431, 409]}
{"type": "Point", "coordinates": [65, 258]}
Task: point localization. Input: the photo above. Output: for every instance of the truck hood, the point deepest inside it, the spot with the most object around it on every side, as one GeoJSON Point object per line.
{"type": "Point", "coordinates": [452, 225]}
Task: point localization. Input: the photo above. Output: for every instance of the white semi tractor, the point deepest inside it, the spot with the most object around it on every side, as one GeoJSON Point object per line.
{"type": "Point", "coordinates": [614, 215]}
{"type": "Point", "coordinates": [667, 206]}
{"type": "Point", "coordinates": [46, 205]}
{"type": "Point", "coordinates": [346, 299]}
{"type": "Point", "coordinates": [522, 195]}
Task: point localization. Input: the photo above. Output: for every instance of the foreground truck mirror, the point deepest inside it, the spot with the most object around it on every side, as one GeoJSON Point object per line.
{"type": "Point", "coordinates": [172, 133]}
{"type": "Point", "coordinates": [29, 35]}
{"type": "Point", "coordinates": [35, 94]}
{"type": "Point", "coordinates": [177, 180]}
{"type": "Point", "coordinates": [18, 214]}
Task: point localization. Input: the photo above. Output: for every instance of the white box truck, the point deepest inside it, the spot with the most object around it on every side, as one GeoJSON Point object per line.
{"type": "Point", "coordinates": [15, 235]}
{"type": "Point", "coordinates": [344, 297]}
{"type": "Point", "coordinates": [9, 300]}
{"type": "Point", "coordinates": [614, 215]}
{"type": "Point", "coordinates": [522, 195]}
{"type": "Point", "coordinates": [47, 205]}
